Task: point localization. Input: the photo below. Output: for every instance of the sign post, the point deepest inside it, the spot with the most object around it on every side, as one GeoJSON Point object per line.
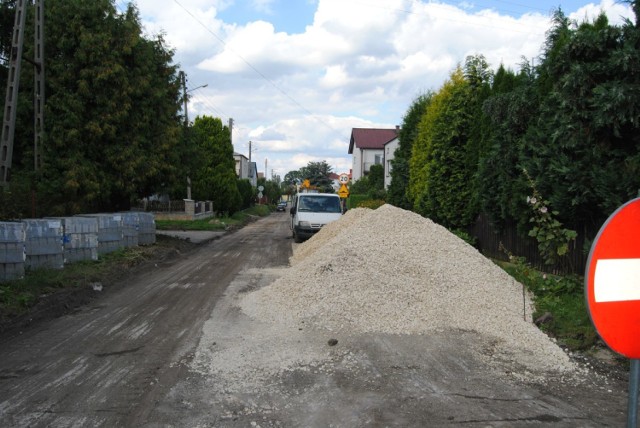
{"type": "Point", "coordinates": [612, 291]}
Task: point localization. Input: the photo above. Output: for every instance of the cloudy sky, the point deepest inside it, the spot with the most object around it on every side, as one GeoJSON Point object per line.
{"type": "Point", "coordinates": [297, 75]}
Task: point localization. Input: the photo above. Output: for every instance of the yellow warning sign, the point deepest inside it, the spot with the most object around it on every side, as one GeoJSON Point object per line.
{"type": "Point", "coordinates": [343, 192]}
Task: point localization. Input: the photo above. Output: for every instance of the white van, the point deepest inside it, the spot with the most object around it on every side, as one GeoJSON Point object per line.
{"type": "Point", "coordinates": [311, 211]}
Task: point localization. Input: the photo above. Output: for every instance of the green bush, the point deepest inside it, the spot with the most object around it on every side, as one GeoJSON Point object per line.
{"type": "Point", "coordinates": [465, 236]}
{"type": "Point", "coordinates": [371, 203]}
{"type": "Point", "coordinates": [560, 296]}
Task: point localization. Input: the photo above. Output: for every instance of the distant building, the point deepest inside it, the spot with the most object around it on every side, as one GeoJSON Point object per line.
{"type": "Point", "coordinates": [253, 174]}
{"type": "Point", "coordinates": [245, 169]}
{"type": "Point", "coordinates": [367, 145]}
{"type": "Point", "coordinates": [242, 165]}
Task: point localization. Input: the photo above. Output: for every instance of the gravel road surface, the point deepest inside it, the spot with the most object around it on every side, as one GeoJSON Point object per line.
{"type": "Point", "coordinates": [174, 348]}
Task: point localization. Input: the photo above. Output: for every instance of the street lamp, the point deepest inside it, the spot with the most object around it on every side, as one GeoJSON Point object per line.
{"type": "Point", "coordinates": [185, 99]}
{"type": "Point", "coordinates": [186, 118]}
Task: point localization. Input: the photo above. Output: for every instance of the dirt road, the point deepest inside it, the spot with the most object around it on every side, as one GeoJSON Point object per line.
{"type": "Point", "coordinates": [173, 349]}
{"type": "Point", "coordinates": [110, 362]}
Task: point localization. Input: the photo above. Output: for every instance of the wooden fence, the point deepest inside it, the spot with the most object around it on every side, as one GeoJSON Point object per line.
{"type": "Point", "coordinates": [498, 244]}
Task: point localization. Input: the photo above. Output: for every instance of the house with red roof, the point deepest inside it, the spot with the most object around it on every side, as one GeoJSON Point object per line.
{"type": "Point", "coordinates": [367, 146]}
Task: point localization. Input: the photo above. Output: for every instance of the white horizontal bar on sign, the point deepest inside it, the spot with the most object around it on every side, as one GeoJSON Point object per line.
{"type": "Point", "coordinates": [617, 280]}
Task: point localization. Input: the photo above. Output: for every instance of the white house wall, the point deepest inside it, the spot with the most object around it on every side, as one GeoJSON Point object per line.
{"type": "Point", "coordinates": [242, 166]}
{"type": "Point", "coordinates": [356, 169]}
{"type": "Point", "coordinates": [389, 153]}
{"type": "Point", "coordinates": [363, 159]}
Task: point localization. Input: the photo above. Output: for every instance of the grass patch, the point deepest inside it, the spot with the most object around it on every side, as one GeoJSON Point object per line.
{"type": "Point", "coordinates": [563, 298]}
{"type": "Point", "coordinates": [18, 296]}
{"type": "Point", "coordinates": [216, 223]}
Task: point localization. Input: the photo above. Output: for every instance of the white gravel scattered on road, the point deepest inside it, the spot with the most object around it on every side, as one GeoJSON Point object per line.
{"type": "Point", "coordinates": [393, 271]}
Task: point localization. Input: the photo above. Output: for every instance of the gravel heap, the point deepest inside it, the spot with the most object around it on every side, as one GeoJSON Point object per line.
{"type": "Point", "coordinates": [393, 271]}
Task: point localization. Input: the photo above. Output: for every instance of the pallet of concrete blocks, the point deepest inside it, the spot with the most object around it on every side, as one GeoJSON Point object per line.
{"type": "Point", "coordinates": [80, 238]}
{"type": "Point", "coordinates": [44, 245]}
{"type": "Point", "coordinates": [12, 250]}
{"type": "Point", "coordinates": [147, 231]}
{"type": "Point", "coordinates": [110, 233]}
{"type": "Point", "coordinates": [130, 229]}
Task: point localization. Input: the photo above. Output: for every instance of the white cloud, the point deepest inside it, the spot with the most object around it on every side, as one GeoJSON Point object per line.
{"type": "Point", "coordinates": [616, 12]}
{"type": "Point", "coordinates": [360, 63]}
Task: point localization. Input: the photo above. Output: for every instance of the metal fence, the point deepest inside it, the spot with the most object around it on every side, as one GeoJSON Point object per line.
{"type": "Point", "coordinates": [161, 206]}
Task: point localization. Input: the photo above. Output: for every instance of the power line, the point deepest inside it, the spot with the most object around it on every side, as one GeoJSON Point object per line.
{"type": "Point", "coordinates": [252, 67]}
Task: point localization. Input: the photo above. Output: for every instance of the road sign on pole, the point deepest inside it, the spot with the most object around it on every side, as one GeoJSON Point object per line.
{"type": "Point", "coordinates": [612, 280]}
{"type": "Point", "coordinates": [612, 291]}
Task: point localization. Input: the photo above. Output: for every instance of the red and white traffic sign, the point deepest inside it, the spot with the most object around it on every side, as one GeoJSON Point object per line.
{"type": "Point", "coordinates": [612, 281]}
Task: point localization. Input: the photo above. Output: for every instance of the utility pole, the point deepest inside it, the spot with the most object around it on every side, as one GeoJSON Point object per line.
{"type": "Point", "coordinates": [13, 83]}
{"type": "Point", "coordinates": [11, 98]}
{"type": "Point", "coordinates": [186, 124]}
{"type": "Point", "coordinates": [38, 84]}
{"type": "Point", "coordinates": [184, 98]}
{"type": "Point", "coordinates": [231, 129]}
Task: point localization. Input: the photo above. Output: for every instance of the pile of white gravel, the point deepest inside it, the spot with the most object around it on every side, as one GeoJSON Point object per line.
{"type": "Point", "coordinates": [392, 271]}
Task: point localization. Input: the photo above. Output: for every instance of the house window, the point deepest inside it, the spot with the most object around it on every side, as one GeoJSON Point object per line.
{"type": "Point", "coordinates": [388, 168]}
{"type": "Point", "coordinates": [378, 160]}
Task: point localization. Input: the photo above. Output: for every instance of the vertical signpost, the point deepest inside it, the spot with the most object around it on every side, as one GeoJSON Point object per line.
{"type": "Point", "coordinates": [612, 291]}
{"type": "Point", "coordinates": [344, 191]}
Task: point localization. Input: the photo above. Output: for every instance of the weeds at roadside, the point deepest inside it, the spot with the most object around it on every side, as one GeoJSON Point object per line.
{"type": "Point", "coordinates": [562, 298]}
{"type": "Point", "coordinates": [215, 223]}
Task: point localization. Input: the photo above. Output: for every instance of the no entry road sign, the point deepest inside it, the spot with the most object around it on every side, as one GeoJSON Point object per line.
{"type": "Point", "coordinates": [612, 281]}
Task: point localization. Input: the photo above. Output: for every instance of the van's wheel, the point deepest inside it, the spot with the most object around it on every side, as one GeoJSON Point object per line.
{"type": "Point", "coordinates": [296, 238]}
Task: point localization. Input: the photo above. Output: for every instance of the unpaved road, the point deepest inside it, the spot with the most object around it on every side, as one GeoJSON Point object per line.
{"type": "Point", "coordinates": [171, 348]}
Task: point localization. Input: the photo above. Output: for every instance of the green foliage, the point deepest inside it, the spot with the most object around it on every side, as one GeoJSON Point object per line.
{"type": "Point", "coordinates": [441, 181]}
{"type": "Point", "coordinates": [360, 186]}
{"type": "Point", "coordinates": [399, 187]}
{"type": "Point", "coordinates": [511, 109]}
{"type": "Point", "coordinates": [226, 196]}
{"type": "Point", "coordinates": [7, 16]}
{"type": "Point", "coordinates": [318, 175]}
{"type": "Point", "coordinates": [553, 239]}
{"type": "Point", "coordinates": [18, 296]}
{"type": "Point", "coordinates": [247, 193]}
{"type": "Point", "coordinates": [272, 190]}
{"type": "Point", "coordinates": [112, 103]}
{"type": "Point", "coordinates": [376, 177]}
{"type": "Point", "coordinates": [563, 298]}
{"type": "Point", "coordinates": [215, 224]}
{"type": "Point", "coordinates": [371, 185]}
{"type": "Point", "coordinates": [354, 200]}
{"type": "Point", "coordinates": [214, 177]}
{"type": "Point", "coordinates": [256, 210]}
{"type": "Point", "coordinates": [585, 139]}
{"type": "Point", "coordinates": [292, 177]}
{"type": "Point", "coordinates": [465, 236]}
{"type": "Point", "coordinates": [370, 203]}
